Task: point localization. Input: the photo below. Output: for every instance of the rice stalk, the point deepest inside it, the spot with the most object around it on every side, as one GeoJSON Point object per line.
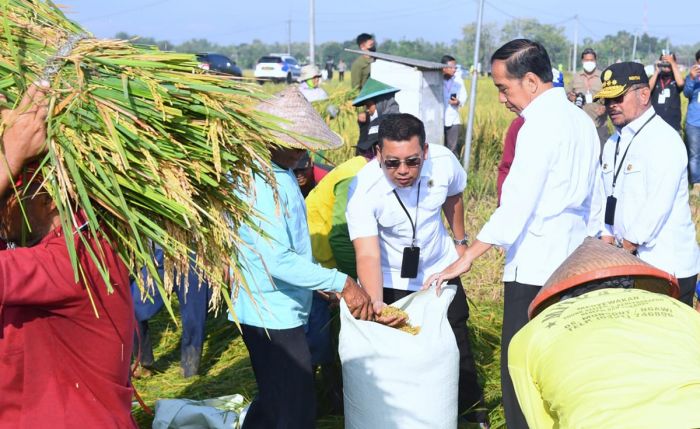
{"type": "Point", "coordinates": [141, 144]}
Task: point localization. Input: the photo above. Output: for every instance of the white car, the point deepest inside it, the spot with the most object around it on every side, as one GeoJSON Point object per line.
{"type": "Point", "coordinates": [277, 68]}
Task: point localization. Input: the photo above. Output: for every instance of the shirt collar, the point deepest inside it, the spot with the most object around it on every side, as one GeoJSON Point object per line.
{"type": "Point", "coordinates": [543, 101]}
{"type": "Point", "coordinates": [634, 126]}
{"type": "Point", "coordinates": [596, 73]}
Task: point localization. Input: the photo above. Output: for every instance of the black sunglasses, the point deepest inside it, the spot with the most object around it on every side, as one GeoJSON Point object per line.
{"type": "Point", "coordinates": [412, 162]}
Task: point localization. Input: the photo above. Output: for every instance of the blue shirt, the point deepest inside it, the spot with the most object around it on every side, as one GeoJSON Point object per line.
{"type": "Point", "coordinates": [692, 91]}
{"type": "Point", "coordinates": [281, 294]}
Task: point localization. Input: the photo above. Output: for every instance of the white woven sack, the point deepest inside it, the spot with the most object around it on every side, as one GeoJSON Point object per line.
{"type": "Point", "coordinates": [392, 379]}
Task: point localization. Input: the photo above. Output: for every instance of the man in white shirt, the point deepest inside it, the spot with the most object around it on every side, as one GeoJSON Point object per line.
{"type": "Point", "coordinates": [394, 217]}
{"type": "Point", "coordinates": [646, 181]}
{"type": "Point", "coordinates": [547, 200]}
{"type": "Point", "coordinates": [455, 95]}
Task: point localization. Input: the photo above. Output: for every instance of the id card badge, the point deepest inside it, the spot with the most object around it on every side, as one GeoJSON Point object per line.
{"type": "Point", "coordinates": [667, 92]}
{"type": "Point", "coordinates": [589, 98]}
{"type": "Point", "coordinates": [662, 98]}
{"type": "Point", "coordinates": [610, 210]}
{"type": "Point", "coordinates": [409, 264]}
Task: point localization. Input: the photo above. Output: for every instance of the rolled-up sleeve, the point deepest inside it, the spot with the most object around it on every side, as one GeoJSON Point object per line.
{"type": "Point", "coordinates": [522, 190]}
{"type": "Point", "coordinates": [457, 180]}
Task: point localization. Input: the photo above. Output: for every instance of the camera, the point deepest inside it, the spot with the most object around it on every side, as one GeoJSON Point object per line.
{"type": "Point", "coordinates": [580, 100]}
{"type": "Point", "coordinates": [662, 63]}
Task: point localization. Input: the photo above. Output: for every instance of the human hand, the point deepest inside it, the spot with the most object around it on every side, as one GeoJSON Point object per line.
{"type": "Point", "coordinates": [454, 101]}
{"type": "Point", "coordinates": [359, 303]}
{"type": "Point", "coordinates": [694, 71]}
{"type": "Point", "coordinates": [330, 297]}
{"type": "Point", "coordinates": [391, 321]}
{"type": "Point", "coordinates": [609, 239]}
{"type": "Point", "coordinates": [571, 95]}
{"type": "Point", "coordinates": [460, 266]}
{"type": "Point", "coordinates": [362, 117]}
{"type": "Point", "coordinates": [24, 135]}
{"type": "Point", "coordinates": [669, 59]}
{"type": "Point", "coordinates": [629, 246]}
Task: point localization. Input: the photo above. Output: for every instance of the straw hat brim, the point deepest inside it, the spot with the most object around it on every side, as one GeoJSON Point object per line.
{"type": "Point", "coordinates": [301, 125]}
{"type": "Point", "coordinates": [595, 260]}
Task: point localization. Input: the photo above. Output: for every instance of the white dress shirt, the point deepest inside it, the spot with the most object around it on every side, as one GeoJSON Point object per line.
{"type": "Point", "coordinates": [454, 85]}
{"type": "Point", "coordinates": [549, 202]}
{"type": "Point", "coordinates": [652, 195]}
{"type": "Point", "coordinates": [373, 210]}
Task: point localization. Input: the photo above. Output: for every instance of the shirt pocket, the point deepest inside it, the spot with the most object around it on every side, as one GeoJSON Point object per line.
{"type": "Point", "coordinates": [608, 173]}
{"type": "Point", "coordinates": [435, 195]}
{"type": "Point", "coordinates": [395, 223]}
{"type": "Point", "coordinates": [633, 172]}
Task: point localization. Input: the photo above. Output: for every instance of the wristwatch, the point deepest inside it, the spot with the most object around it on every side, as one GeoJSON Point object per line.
{"type": "Point", "coordinates": [462, 242]}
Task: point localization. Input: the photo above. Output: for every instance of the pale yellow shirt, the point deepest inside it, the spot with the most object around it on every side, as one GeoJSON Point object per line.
{"type": "Point", "coordinates": [613, 358]}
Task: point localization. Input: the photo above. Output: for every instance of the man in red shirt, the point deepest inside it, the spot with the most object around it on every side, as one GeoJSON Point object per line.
{"type": "Point", "coordinates": [65, 345]}
{"type": "Point", "coordinates": [309, 173]}
{"type": "Point", "coordinates": [508, 153]}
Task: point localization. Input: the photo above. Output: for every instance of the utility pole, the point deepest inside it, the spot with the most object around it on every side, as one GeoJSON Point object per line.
{"type": "Point", "coordinates": [312, 32]}
{"type": "Point", "coordinates": [472, 93]}
{"type": "Point", "coordinates": [634, 45]}
{"type": "Point", "coordinates": [289, 37]}
{"type": "Point", "coordinates": [573, 70]}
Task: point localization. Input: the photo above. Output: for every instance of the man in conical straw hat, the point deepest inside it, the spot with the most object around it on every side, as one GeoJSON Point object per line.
{"type": "Point", "coordinates": [281, 275]}
{"type": "Point", "coordinates": [61, 366]}
{"type": "Point", "coordinates": [608, 346]}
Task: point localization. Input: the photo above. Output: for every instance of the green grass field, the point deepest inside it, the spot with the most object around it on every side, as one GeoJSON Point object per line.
{"type": "Point", "coordinates": [225, 366]}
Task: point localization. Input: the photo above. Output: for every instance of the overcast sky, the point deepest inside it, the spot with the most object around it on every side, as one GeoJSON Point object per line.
{"type": "Point", "coordinates": [237, 21]}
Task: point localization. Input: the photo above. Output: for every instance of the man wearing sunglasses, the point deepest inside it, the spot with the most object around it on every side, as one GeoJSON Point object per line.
{"type": "Point", "coordinates": [394, 217]}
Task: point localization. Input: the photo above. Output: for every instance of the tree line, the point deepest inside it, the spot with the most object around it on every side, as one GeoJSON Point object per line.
{"type": "Point", "coordinates": [610, 48]}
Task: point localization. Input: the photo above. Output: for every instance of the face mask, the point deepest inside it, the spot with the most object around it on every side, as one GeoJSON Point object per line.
{"type": "Point", "coordinates": [589, 66]}
{"type": "Point", "coordinates": [373, 48]}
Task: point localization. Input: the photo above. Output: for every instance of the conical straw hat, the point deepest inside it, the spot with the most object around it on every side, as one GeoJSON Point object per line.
{"type": "Point", "coordinates": [306, 129]}
{"type": "Point", "coordinates": [596, 260]}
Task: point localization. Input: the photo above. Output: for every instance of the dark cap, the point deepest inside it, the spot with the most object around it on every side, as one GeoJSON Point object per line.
{"type": "Point", "coordinates": [304, 162]}
{"type": "Point", "coordinates": [618, 78]}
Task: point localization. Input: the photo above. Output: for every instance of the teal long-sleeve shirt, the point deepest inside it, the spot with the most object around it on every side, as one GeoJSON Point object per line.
{"type": "Point", "coordinates": [281, 295]}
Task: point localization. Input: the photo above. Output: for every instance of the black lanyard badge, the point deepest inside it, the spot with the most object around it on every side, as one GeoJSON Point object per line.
{"type": "Point", "coordinates": [611, 202]}
{"type": "Point", "coordinates": [411, 255]}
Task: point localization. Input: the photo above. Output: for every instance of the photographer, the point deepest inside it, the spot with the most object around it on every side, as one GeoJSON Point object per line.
{"type": "Point", "coordinates": [692, 123]}
{"type": "Point", "coordinates": [666, 85]}
{"type": "Point", "coordinates": [583, 86]}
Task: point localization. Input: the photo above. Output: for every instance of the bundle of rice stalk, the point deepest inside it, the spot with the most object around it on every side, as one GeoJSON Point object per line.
{"type": "Point", "coordinates": [344, 123]}
{"type": "Point", "coordinates": [140, 142]}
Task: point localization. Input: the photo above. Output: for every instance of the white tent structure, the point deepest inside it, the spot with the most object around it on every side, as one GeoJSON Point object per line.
{"type": "Point", "coordinates": [421, 86]}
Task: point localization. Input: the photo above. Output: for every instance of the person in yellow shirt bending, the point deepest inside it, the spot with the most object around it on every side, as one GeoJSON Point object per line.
{"type": "Point", "coordinates": [607, 347]}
